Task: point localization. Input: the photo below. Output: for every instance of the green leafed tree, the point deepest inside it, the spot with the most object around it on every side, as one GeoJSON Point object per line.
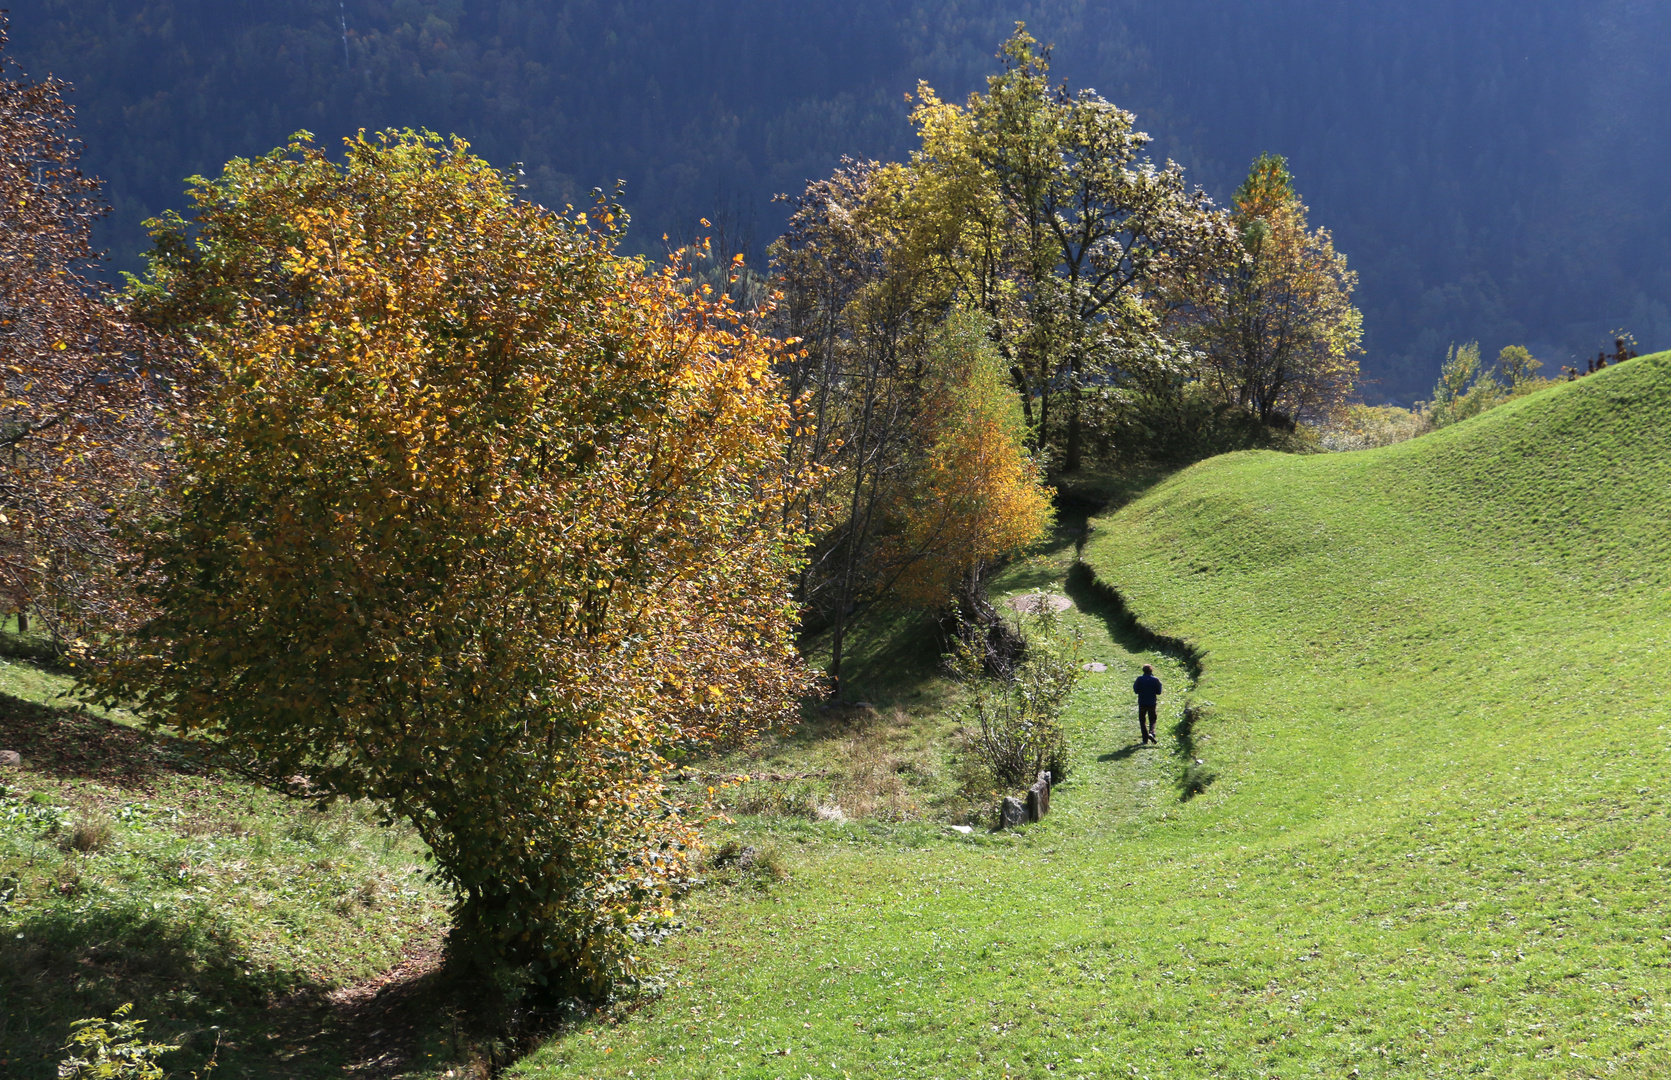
{"type": "Point", "coordinates": [1087, 233]}
{"type": "Point", "coordinates": [1516, 364]}
{"type": "Point", "coordinates": [1466, 387]}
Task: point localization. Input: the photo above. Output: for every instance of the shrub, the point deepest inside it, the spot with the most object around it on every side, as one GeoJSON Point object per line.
{"type": "Point", "coordinates": [1013, 719]}
{"type": "Point", "coordinates": [1466, 388]}
{"type": "Point", "coordinates": [101, 1049]}
{"type": "Point", "coordinates": [1362, 427]}
{"type": "Point", "coordinates": [90, 835]}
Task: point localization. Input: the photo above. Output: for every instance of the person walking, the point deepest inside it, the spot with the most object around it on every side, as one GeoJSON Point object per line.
{"type": "Point", "coordinates": [1148, 690]}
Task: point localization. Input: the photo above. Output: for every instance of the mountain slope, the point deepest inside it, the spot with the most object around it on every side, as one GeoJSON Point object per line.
{"type": "Point", "coordinates": [1494, 170]}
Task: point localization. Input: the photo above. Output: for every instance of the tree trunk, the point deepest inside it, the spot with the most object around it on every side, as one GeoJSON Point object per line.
{"type": "Point", "coordinates": [1070, 459]}
{"type": "Point", "coordinates": [855, 533]}
{"type": "Point", "coordinates": [838, 635]}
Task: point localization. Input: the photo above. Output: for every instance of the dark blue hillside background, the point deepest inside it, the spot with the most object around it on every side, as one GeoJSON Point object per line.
{"type": "Point", "coordinates": [1494, 170]}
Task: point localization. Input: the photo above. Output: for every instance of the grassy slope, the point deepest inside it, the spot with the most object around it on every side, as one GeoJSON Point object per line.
{"type": "Point", "coordinates": [1436, 846]}
{"type": "Point", "coordinates": [225, 911]}
{"type": "Point", "coordinates": [1441, 666]}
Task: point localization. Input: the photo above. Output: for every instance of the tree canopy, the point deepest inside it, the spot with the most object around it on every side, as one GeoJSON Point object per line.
{"type": "Point", "coordinates": [83, 387]}
{"type": "Point", "coordinates": [479, 518]}
{"type": "Point", "coordinates": [1276, 326]}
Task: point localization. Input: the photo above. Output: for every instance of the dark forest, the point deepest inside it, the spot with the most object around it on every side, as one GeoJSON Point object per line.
{"type": "Point", "coordinates": [1494, 171]}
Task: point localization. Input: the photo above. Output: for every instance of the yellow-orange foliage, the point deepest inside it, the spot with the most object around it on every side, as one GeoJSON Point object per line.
{"type": "Point", "coordinates": [483, 520]}
{"type": "Point", "coordinates": [978, 496]}
{"type": "Point", "coordinates": [1279, 332]}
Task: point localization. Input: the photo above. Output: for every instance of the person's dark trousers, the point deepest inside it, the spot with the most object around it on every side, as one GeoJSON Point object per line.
{"type": "Point", "coordinates": [1146, 721]}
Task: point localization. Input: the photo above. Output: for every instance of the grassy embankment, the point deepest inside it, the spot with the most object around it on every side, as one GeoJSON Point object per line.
{"type": "Point", "coordinates": [891, 757]}
{"type": "Point", "coordinates": [228, 913]}
{"type": "Point", "coordinates": [1435, 847]}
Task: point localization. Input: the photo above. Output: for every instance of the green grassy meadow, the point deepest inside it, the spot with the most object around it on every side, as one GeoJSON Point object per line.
{"type": "Point", "coordinates": [1432, 695]}
{"type": "Point", "coordinates": [1427, 836]}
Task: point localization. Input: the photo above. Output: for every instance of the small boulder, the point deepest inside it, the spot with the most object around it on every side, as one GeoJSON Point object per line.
{"type": "Point", "coordinates": [1038, 798]}
{"type": "Point", "coordinates": [1038, 801]}
{"type": "Point", "coordinates": [1039, 603]}
{"type": "Point", "coordinates": [10, 759]}
{"type": "Point", "coordinates": [1011, 813]}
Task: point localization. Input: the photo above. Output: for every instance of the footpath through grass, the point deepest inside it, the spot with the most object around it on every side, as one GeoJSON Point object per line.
{"type": "Point", "coordinates": [1436, 845]}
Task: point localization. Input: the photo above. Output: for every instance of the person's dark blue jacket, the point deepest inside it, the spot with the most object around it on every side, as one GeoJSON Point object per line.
{"type": "Point", "coordinates": [1147, 688]}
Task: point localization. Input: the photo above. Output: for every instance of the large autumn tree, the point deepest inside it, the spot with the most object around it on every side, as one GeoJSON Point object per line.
{"type": "Point", "coordinates": [927, 477]}
{"type": "Point", "coordinates": [81, 397]}
{"type": "Point", "coordinates": [480, 519]}
{"type": "Point", "coordinates": [1031, 209]}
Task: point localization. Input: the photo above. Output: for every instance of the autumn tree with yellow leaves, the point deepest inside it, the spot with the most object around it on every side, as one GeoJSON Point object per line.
{"type": "Point", "coordinates": [928, 479]}
{"type": "Point", "coordinates": [1030, 209]}
{"type": "Point", "coordinates": [975, 494]}
{"type": "Point", "coordinates": [481, 519]}
{"type": "Point", "coordinates": [1038, 203]}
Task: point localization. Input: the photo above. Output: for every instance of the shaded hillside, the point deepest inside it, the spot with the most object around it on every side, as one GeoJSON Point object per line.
{"type": "Point", "coordinates": [1494, 170]}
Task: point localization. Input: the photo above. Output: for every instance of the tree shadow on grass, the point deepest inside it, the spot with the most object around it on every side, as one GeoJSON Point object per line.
{"type": "Point", "coordinates": [71, 742]}
{"type": "Point", "coordinates": [188, 982]}
{"type": "Point", "coordinates": [192, 984]}
{"type": "Point", "coordinates": [88, 951]}
{"type": "Point", "coordinates": [892, 654]}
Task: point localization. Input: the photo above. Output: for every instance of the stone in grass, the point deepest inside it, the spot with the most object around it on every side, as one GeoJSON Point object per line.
{"type": "Point", "coordinates": [735, 854]}
{"type": "Point", "coordinates": [1094, 666]}
{"type": "Point", "coordinates": [1011, 813]}
{"type": "Point", "coordinates": [1038, 798]}
{"type": "Point", "coordinates": [10, 759]}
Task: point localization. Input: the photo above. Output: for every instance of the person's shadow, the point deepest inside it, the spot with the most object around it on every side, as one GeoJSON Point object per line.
{"type": "Point", "coordinates": [1122, 753]}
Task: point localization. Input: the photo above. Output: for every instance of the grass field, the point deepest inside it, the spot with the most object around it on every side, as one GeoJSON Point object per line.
{"type": "Point", "coordinates": [1433, 696]}
{"type": "Point", "coordinates": [239, 921]}
{"type": "Point", "coordinates": [1426, 836]}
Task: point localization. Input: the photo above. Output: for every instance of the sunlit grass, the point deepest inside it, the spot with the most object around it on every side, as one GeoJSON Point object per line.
{"type": "Point", "coordinates": [1433, 697]}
